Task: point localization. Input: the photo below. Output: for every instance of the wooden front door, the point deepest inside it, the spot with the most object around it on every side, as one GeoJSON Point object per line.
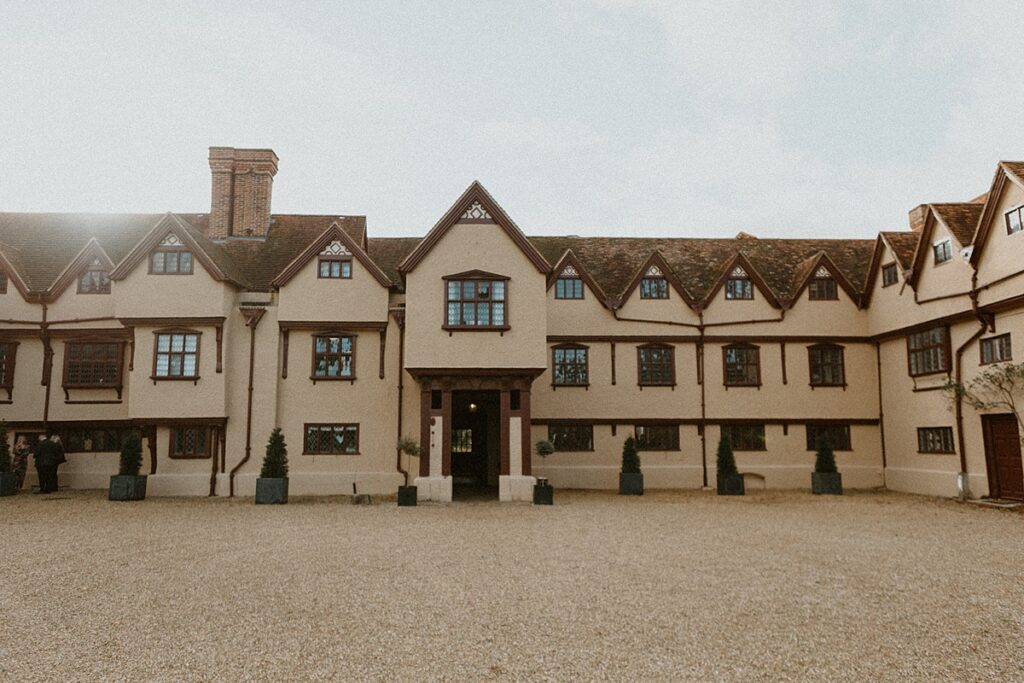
{"type": "Point", "coordinates": [1002, 454]}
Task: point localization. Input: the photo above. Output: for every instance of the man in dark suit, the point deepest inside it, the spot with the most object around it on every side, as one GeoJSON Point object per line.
{"type": "Point", "coordinates": [48, 457]}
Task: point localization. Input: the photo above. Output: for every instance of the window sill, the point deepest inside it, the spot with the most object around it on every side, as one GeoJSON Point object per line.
{"type": "Point", "coordinates": [189, 457]}
{"type": "Point", "coordinates": [475, 328]}
{"type": "Point", "coordinates": [575, 450]}
{"type": "Point", "coordinates": [659, 450]}
{"type": "Point", "coordinates": [827, 386]}
{"type": "Point", "coordinates": [332, 379]}
{"type": "Point", "coordinates": [742, 386]}
{"type": "Point", "coordinates": [194, 380]}
{"type": "Point", "coordinates": [670, 385]}
{"type": "Point", "coordinates": [332, 455]}
{"type": "Point", "coordinates": [930, 374]}
{"type": "Point", "coordinates": [936, 452]}
{"type": "Point", "coordinates": [749, 450]}
{"type": "Point", "coordinates": [570, 386]}
{"type": "Point", "coordinates": [995, 362]}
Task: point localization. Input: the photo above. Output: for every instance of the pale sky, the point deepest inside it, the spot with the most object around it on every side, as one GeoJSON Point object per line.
{"type": "Point", "coordinates": [595, 118]}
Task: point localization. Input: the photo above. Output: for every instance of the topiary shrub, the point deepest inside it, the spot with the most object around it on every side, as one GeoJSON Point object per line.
{"type": "Point", "coordinates": [545, 448]}
{"type": "Point", "coordinates": [726, 461]}
{"type": "Point", "coordinates": [275, 462]}
{"type": "Point", "coordinates": [825, 460]}
{"type": "Point", "coordinates": [131, 456]}
{"type": "Point", "coordinates": [630, 458]}
{"type": "Point", "coordinates": [408, 446]}
{"type": "Point", "coordinates": [5, 449]}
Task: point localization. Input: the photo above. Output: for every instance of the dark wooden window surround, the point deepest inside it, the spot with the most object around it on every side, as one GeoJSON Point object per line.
{"type": "Point", "coordinates": [570, 365]}
{"type": "Point", "coordinates": [935, 440]}
{"type": "Point", "coordinates": [334, 357]}
{"type": "Point", "coordinates": [3, 282]}
{"type": "Point", "coordinates": [741, 366]}
{"type": "Point", "coordinates": [996, 349]}
{"type": "Point", "coordinates": [334, 268]}
{"type": "Point", "coordinates": [942, 251]}
{"type": "Point", "coordinates": [568, 288]}
{"type": "Point", "coordinates": [8, 352]}
{"type": "Point", "coordinates": [93, 364]}
{"type": "Point", "coordinates": [745, 437]}
{"type": "Point", "coordinates": [330, 439]}
{"type": "Point", "coordinates": [822, 289]}
{"type": "Point", "coordinates": [653, 288]}
{"type": "Point", "coordinates": [1015, 220]}
{"type": "Point", "coordinates": [656, 365]}
{"type": "Point", "coordinates": [574, 437]}
{"type": "Point", "coordinates": [739, 288]}
{"type": "Point", "coordinates": [476, 304]}
{"type": "Point", "coordinates": [827, 365]}
{"type": "Point", "coordinates": [94, 282]}
{"type": "Point", "coordinates": [890, 275]}
{"type": "Point", "coordinates": [95, 440]}
{"type": "Point", "coordinates": [176, 355]}
{"type": "Point", "coordinates": [171, 261]}
{"type": "Point", "coordinates": [191, 443]}
{"type": "Point", "coordinates": [837, 434]}
{"type": "Point", "coordinates": [928, 351]}
{"type": "Point", "coordinates": [656, 437]}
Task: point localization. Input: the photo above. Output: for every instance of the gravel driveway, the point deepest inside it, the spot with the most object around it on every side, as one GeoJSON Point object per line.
{"type": "Point", "coordinates": [680, 585]}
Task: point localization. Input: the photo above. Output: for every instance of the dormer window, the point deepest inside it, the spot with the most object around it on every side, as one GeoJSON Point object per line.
{"type": "Point", "coordinates": [943, 251]}
{"type": "Point", "coordinates": [654, 285]}
{"type": "Point", "coordinates": [822, 286]}
{"type": "Point", "coordinates": [890, 275]}
{"type": "Point", "coordinates": [739, 285]}
{"type": "Point", "coordinates": [95, 280]}
{"type": "Point", "coordinates": [171, 258]}
{"type": "Point", "coordinates": [3, 282]}
{"type": "Point", "coordinates": [569, 285]}
{"type": "Point", "coordinates": [335, 262]}
{"type": "Point", "coordinates": [1015, 220]}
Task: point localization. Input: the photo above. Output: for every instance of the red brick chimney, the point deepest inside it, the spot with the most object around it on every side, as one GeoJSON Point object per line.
{"type": "Point", "coordinates": [917, 216]}
{"type": "Point", "coordinates": [240, 198]}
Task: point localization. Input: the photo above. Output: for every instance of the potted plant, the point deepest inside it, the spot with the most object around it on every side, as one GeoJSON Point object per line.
{"type": "Point", "coordinates": [128, 484]}
{"type": "Point", "coordinates": [407, 495]}
{"type": "Point", "coordinates": [543, 491]}
{"type": "Point", "coordinates": [826, 479]}
{"type": "Point", "coordinates": [730, 481]}
{"type": "Point", "coordinates": [8, 479]}
{"type": "Point", "coordinates": [631, 480]}
{"type": "Point", "coordinates": [272, 484]}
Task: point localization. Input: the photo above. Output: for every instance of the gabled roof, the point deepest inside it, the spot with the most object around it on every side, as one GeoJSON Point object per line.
{"type": "Point", "coordinates": [9, 269]}
{"type": "Point", "coordinates": [658, 262]}
{"type": "Point", "coordinates": [331, 234]}
{"type": "Point", "coordinates": [476, 205]}
{"type": "Point", "coordinates": [903, 245]}
{"type": "Point", "coordinates": [569, 260]}
{"type": "Point", "coordinates": [810, 268]}
{"type": "Point", "coordinates": [91, 253]}
{"type": "Point", "coordinates": [211, 256]}
{"type": "Point", "coordinates": [1006, 171]}
{"type": "Point", "coordinates": [961, 219]}
{"type": "Point", "coordinates": [741, 261]}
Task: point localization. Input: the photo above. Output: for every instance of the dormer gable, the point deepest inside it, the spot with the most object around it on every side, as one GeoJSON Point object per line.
{"type": "Point", "coordinates": [739, 269]}
{"type": "Point", "coordinates": [1007, 173]}
{"type": "Point", "coordinates": [819, 271]}
{"type": "Point", "coordinates": [332, 250]}
{"type": "Point", "coordinates": [9, 277]}
{"type": "Point", "coordinates": [655, 278]}
{"type": "Point", "coordinates": [91, 270]}
{"type": "Point", "coordinates": [171, 234]}
{"type": "Point", "coordinates": [570, 268]}
{"type": "Point", "coordinates": [474, 206]}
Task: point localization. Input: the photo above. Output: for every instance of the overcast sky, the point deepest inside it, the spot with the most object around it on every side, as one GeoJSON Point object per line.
{"type": "Point", "coordinates": [605, 117]}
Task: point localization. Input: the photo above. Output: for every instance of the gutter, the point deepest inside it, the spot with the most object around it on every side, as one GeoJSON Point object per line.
{"type": "Point", "coordinates": [400, 321]}
{"type": "Point", "coordinates": [252, 320]}
{"type": "Point", "coordinates": [963, 480]}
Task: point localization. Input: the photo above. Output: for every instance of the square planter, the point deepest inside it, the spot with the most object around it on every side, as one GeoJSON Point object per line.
{"type": "Point", "coordinates": [8, 483]}
{"type": "Point", "coordinates": [543, 493]}
{"type": "Point", "coordinates": [127, 487]}
{"type": "Point", "coordinates": [731, 485]}
{"type": "Point", "coordinates": [406, 496]}
{"type": "Point", "coordinates": [271, 491]}
{"type": "Point", "coordinates": [830, 483]}
{"type": "Point", "coordinates": [631, 484]}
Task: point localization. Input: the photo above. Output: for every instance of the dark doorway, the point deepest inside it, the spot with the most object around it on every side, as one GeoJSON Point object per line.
{"type": "Point", "coordinates": [476, 450]}
{"type": "Point", "coordinates": [1002, 455]}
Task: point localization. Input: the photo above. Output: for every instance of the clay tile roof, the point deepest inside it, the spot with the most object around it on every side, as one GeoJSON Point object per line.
{"type": "Point", "coordinates": [388, 252]}
{"type": "Point", "coordinates": [1016, 168]}
{"type": "Point", "coordinates": [698, 263]}
{"type": "Point", "coordinates": [904, 244]}
{"type": "Point", "coordinates": [961, 219]}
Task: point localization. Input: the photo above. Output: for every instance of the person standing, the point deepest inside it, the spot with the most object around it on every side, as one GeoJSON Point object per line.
{"type": "Point", "coordinates": [46, 464]}
{"type": "Point", "coordinates": [20, 464]}
{"type": "Point", "coordinates": [59, 459]}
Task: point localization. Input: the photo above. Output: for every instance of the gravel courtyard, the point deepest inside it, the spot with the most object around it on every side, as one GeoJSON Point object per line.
{"type": "Point", "coordinates": [776, 586]}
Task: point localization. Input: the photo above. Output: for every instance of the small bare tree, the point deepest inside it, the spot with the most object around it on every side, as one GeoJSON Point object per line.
{"type": "Point", "coordinates": [1000, 387]}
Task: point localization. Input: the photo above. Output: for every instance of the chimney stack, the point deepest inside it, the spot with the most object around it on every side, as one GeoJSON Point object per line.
{"type": "Point", "coordinates": [917, 216]}
{"type": "Point", "coordinates": [240, 198]}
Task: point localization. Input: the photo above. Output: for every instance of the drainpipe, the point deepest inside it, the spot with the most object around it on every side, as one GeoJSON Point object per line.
{"type": "Point", "coordinates": [703, 402]}
{"type": "Point", "coordinates": [881, 412]}
{"type": "Point", "coordinates": [963, 481]}
{"type": "Point", "coordinates": [47, 379]}
{"type": "Point", "coordinates": [251, 323]}
{"type": "Point", "coordinates": [400, 320]}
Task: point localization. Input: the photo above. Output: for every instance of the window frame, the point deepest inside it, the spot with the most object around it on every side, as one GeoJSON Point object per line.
{"type": "Point", "coordinates": [577, 286]}
{"type": "Point", "coordinates": [724, 430]}
{"type": "Point", "coordinates": [334, 426]}
{"type": "Point", "coordinates": [8, 363]}
{"type": "Point", "coordinates": [640, 364]}
{"type": "Point", "coordinates": [327, 354]}
{"type": "Point", "coordinates": [811, 350]}
{"type": "Point", "coordinates": [119, 361]}
{"type": "Point", "coordinates": [673, 442]}
{"type": "Point", "coordinates": [342, 260]}
{"type": "Point", "coordinates": [476, 280]}
{"type": "Point", "coordinates": [946, 246]}
{"type": "Point", "coordinates": [997, 342]}
{"type": "Point", "coordinates": [69, 442]}
{"type": "Point", "coordinates": [660, 293]}
{"type": "Point", "coordinates": [104, 287]}
{"type": "Point", "coordinates": [730, 288]}
{"type": "Point", "coordinates": [568, 428]}
{"type": "Point", "coordinates": [586, 365]}
{"type": "Point", "coordinates": [725, 364]}
{"type": "Point", "coordinates": [890, 268]}
{"type": "Point", "coordinates": [177, 251]}
{"type": "Point", "coordinates": [156, 354]}
{"type": "Point", "coordinates": [3, 281]}
{"type": "Point", "coordinates": [845, 444]}
{"type": "Point", "coordinates": [922, 440]}
{"type": "Point", "coordinates": [1019, 210]}
{"type": "Point", "coordinates": [208, 438]}
{"type": "Point", "coordinates": [944, 345]}
{"type": "Point", "coordinates": [831, 285]}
